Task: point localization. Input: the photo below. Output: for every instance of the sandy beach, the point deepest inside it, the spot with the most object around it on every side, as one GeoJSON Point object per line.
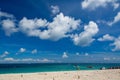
{"type": "Point", "coordinates": [66, 75]}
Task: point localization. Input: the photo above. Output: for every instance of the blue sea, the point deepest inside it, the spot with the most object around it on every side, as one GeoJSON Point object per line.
{"type": "Point", "coordinates": [50, 67]}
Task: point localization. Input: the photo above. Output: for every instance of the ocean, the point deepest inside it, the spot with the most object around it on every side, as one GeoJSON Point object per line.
{"type": "Point", "coordinates": [49, 67]}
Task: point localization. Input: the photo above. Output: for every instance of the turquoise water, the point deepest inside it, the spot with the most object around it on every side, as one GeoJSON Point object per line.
{"type": "Point", "coordinates": [49, 67]}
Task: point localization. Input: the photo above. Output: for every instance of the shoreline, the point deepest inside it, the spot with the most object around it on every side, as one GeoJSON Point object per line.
{"type": "Point", "coordinates": [108, 74]}
{"type": "Point", "coordinates": [48, 72]}
{"type": "Point", "coordinates": [53, 71]}
{"type": "Point", "coordinates": [57, 71]}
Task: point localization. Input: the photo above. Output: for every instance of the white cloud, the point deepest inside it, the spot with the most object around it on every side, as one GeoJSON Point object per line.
{"type": "Point", "coordinates": [77, 53]}
{"type": "Point", "coordinates": [116, 5]}
{"type": "Point", "coordinates": [116, 43]}
{"type": "Point", "coordinates": [64, 55]}
{"type": "Point", "coordinates": [59, 28]}
{"type": "Point", "coordinates": [86, 54]}
{"type": "Point", "coordinates": [34, 51]}
{"type": "Point", "coordinates": [4, 54]}
{"type": "Point", "coordinates": [116, 19]}
{"type": "Point", "coordinates": [86, 37]}
{"type": "Point", "coordinates": [116, 58]}
{"type": "Point", "coordinates": [106, 58]}
{"type": "Point", "coordinates": [4, 14]}
{"type": "Point", "coordinates": [9, 59]}
{"type": "Point", "coordinates": [19, 60]}
{"type": "Point", "coordinates": [31, 26]}
{"type": "Point", "coordinates": [55, 9]}
{"type": "Point", "coordinates": [106, 37]}
{"type": "Point", "coordinates": [27, 59]}
{"type": "Point", "coordinates": [9, 27]}
{"type": "Point", "coordinates": [22, 50]}
{"type": "Point", "coordinates": [46, 60]}
{"type": "Point", "coordinates": [93, 4]}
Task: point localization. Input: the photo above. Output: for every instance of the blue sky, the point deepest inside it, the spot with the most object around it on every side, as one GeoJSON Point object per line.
{"type": "Point", "coordinates": [59, 31]}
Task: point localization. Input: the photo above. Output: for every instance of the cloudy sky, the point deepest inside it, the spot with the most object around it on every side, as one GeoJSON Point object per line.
{"type": "Point", "coordinates": [59, 31]}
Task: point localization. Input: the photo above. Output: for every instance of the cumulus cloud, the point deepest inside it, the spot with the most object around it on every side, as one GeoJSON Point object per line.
{"type": "Point", "coordinates": [34, 51]}
{"type": "Point", "coordinates": [55, 9]}
{"type": "Point", "coordinates": [4, 54]}
{"type": "Point", "coordinates": [86, 54]}
{"type": "Point", "coordinates": [106, 58]}
{"type": "Point", "coordinates": [9, 27]}
{"type": "Point", "coordinates": [115, 20]}
{"type": "Point", "coordinates": [106, 37]}
{"type": "Point", "coordinates": [27, 59]}
{"type": "Point", "coordinates": [86, 37]}
{"type": "Point", "coordinates": [7, 15]}
{"type": "Point", "coordinates": [22, 50]}
{"type": "Point", "coordinates": [46, 60]}
{"type": "Point", "coordinates": [59, 28]}
{"type": "Point", "coordinates": [116, 43]}
{"type": "Point", "coordinates": [64, 55]}
{"type": "Point", "coordinates": [116, 5]}
{"type": "Point", "coordinates": [31, 26]}
{"type": "Point", "coordinates": [9, 59]}
{"type": "Point", "coordinates": [93, 4]}
{"type": "Point", "coordinates": [77, 53]}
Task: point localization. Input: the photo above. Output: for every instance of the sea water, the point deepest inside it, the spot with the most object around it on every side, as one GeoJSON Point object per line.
{"type": "Point", "coordinates": [49, 67]}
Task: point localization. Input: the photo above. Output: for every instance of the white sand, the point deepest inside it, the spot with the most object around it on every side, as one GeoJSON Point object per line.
{"type": "Point", "coordinates": [66, 75]}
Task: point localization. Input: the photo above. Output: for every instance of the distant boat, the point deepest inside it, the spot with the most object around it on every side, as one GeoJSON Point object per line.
{"type": "Point", "coordinates": [103, 68]}
{"type": "Point", "coordinates": [89, 66]}
{"type": "Point", "coordinates": [77, 67]}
